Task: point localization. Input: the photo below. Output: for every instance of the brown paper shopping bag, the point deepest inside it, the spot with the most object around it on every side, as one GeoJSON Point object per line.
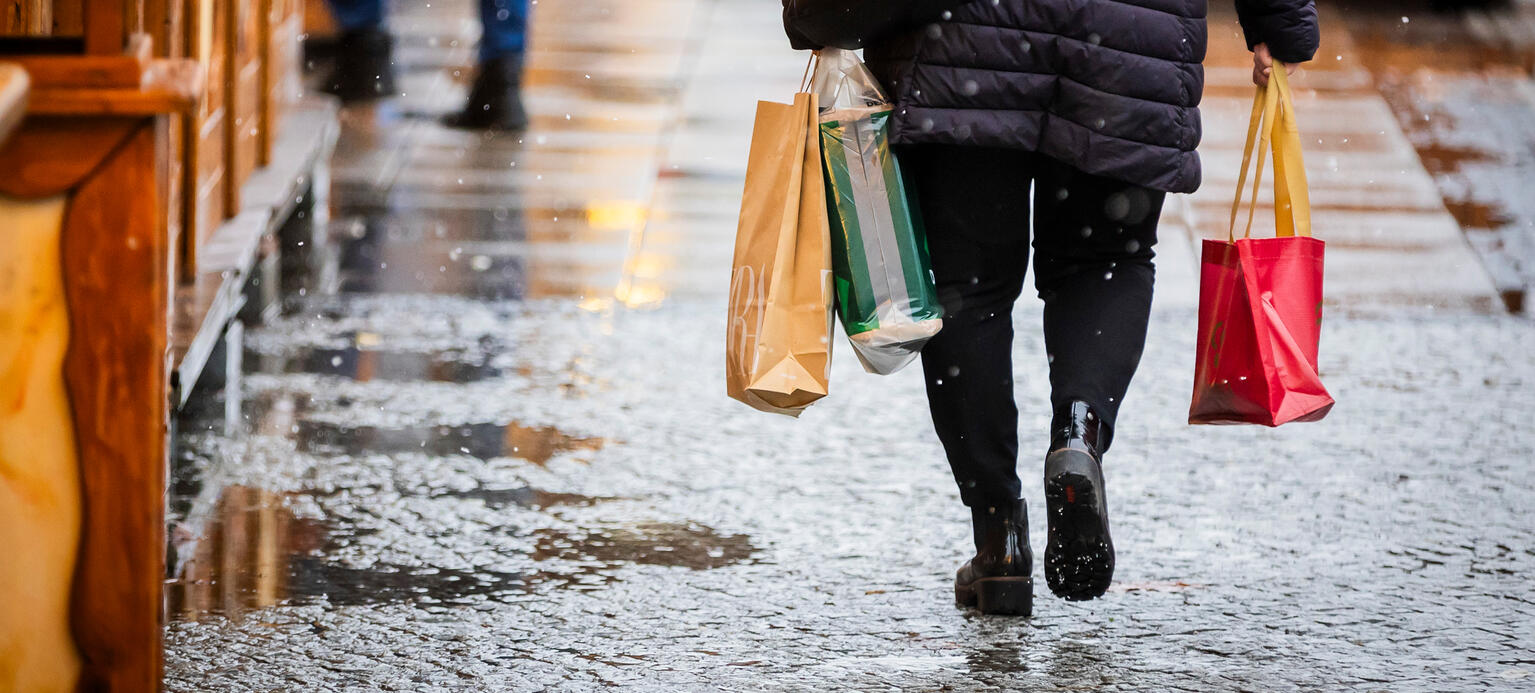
{"type": "Point", "coordinates": [778, 342]}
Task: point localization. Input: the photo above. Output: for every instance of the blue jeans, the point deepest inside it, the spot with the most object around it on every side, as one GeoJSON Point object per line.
{"type": "Point", "coordinates": [504, 22]}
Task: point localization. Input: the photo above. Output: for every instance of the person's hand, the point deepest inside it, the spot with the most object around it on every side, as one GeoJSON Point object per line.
{"type": "Point", "coordinates": [1263, 64]}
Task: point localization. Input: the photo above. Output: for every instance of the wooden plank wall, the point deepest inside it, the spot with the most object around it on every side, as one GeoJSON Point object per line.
{"type": "Point", "coordinates": [26, 18]}
{"type": "Point", "coordinates": [208, 174]}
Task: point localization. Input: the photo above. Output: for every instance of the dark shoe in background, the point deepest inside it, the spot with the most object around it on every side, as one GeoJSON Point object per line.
{"type": "Point", "coordinates": [364, 68]}
{"type": "Point", "coordinates": [1079, 555]}
{"type": "Point", "coordinates": [495, 100]}
{"type": "Point", "coordinates": [999, 579]}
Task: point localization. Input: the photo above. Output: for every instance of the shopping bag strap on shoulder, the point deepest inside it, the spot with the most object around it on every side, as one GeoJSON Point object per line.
{"type": "Point", "coordinates": [1273, 121]}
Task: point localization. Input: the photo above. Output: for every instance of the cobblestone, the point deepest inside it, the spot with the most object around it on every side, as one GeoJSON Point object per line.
{"type": "Point", "coordinates": [1385, 548]}
{"type": "Point", "coordinates": [500, 457]}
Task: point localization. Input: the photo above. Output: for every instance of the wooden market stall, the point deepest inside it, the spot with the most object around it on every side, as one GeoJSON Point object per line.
{"type": "Point", "coordinates": [160, 143]}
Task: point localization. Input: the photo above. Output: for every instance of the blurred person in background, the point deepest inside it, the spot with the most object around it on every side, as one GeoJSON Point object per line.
{"type": "Point", "coordinates": [1093, 103]}
{"type": "Point", "coordinates": [364, 62]}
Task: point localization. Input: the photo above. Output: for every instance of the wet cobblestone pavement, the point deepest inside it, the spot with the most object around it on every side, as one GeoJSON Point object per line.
{"type": "Point", "coordinates": [520, 472]}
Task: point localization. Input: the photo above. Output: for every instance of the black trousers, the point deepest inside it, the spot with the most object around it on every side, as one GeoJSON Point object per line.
{"type": "Point", "coordinates": [1092, 240]}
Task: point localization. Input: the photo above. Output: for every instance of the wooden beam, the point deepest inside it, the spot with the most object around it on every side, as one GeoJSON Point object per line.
{"type": "Point", "coordinates": [165, 86]}
{"type": "Point", "coordinates": [49, 156]}
{"type": "Point", "coordinates": [81, 70]}
{"type": "Point", "coordinates": [108, 102]}
{"type": "Point", "coordinates": [105, 27]}
{"type": "Point", "coordinates": [128, 68]}
{"type": "Point", "coordinates": [116, 269]}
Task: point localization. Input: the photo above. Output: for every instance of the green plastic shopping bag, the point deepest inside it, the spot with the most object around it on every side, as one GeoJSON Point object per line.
{"type": "Point", "coordinates": [884, 283]}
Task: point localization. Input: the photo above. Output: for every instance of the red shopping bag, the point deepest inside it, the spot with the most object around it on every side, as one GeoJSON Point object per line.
{"type": "Point", "coordinates": [1260, 299]}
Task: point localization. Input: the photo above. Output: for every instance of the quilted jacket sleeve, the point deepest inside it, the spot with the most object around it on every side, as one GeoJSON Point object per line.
{"type": "Point", "coordinates": [849, 24]}
{"type": "Point", "coordinates": [1289, 27]}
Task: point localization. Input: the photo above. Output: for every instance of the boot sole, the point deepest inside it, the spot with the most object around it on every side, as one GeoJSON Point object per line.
{"type": "Point", "coordinates": [1079, 556]}
{"type": "Point", "coordinates": [1002, 596]}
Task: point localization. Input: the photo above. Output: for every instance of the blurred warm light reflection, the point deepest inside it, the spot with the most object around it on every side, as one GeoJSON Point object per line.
{"type": "Point", "coordinates": [639, 296]}
{"type": "Point", "coordinates": [595, 304]}
{"type": "Point", "coordinates": [616, 215]}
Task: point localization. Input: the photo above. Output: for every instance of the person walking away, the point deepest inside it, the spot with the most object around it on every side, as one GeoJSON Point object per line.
{"type": "Point", "coordinates": [1082, 114]}
{"type": "Point", "coordinates": [364, 63]}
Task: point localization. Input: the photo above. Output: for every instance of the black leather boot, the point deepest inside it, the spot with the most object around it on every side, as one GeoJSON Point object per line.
{"type": "Point", "coordinates": [364, 67]}
{"type": "Point", "coordinates": [495, 100]}
{"type": "Point", "coordinates": [999, 579]}
{"type": "Point", "coordinates": [1079, 555]}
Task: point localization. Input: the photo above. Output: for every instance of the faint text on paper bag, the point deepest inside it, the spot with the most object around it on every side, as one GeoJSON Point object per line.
{"type": "Point", "coordinates": [748, 294]}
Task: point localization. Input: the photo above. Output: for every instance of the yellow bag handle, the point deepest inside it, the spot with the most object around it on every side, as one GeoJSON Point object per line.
{"type": "Point", "coordinates": [1273, 121]}
{"type": "Point", "coordinates": [1292, 203]}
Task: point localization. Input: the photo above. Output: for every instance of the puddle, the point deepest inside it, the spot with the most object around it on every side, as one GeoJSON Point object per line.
{"type": "Point", "coordinates": [997, 658]}
{"type": "Point", "coordinates": [653, 543]}
{"type": "Point", "coordinates": [1476, 216]}
{"type": "Point", "coordinates": [524, 497]}
{"type": "Point", "coordinates": [240, 560]}
{"type": "Point", "coordinates": [464, 224]}
{"type": "Point", "coordinates": [365, 365]}
{"type": "Point", "coordinates": [493, 498]}
{"type": "Point", "coordinates": [536, 444]}
{"type": "Point", "coordinates": [1440, 159]}
{"type": "Point", "coordinates": [1080, 656]}
{"type": "Point", "coordinates": [371, 265]}
{"type": "Point", "coordinates": [315, 579]}
{"type": "Point", "coordinates": [250, 552]}
{"type": "Point", "coordinates": [477, 245]}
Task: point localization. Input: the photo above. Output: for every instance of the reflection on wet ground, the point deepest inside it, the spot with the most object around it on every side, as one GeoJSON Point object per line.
{"type": "Point", "coordinates": [1459, 83]}
{"type": "Point", "coordinates": [997, 658]}
{"type": "Point", "coordinates": [1076, 654]}
{"type": "Point", "coordinates": [364, 365]}
{"type": "Point", "coordinates": [369, 263]}
{"type": "Point", "coordinates": [238, 559]}
{"type": "Point", "coordinates": [651, 543]}
{"type": "Point", "coordinates": [536, 444]}
{"type": "Point", "coordinates": [488, 249]}
{"type": "Point", "coordinates": [251, 551]}
{"type": "Point", "coordinates": [1472, 132]}
{"type": "Point", "coordinates": [316, 579]}
{"type": "Point", "coordinates": [436, 240]}
{"type": "Point", "coordinates": [522, 496]}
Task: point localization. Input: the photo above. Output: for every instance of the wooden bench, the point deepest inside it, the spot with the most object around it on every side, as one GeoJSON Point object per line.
{"type": "Point", "coordinates": [161, 146]}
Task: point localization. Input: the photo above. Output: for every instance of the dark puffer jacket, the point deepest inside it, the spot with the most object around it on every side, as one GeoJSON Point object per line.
{"type": "Point", "coordinates": [1110, 87]}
